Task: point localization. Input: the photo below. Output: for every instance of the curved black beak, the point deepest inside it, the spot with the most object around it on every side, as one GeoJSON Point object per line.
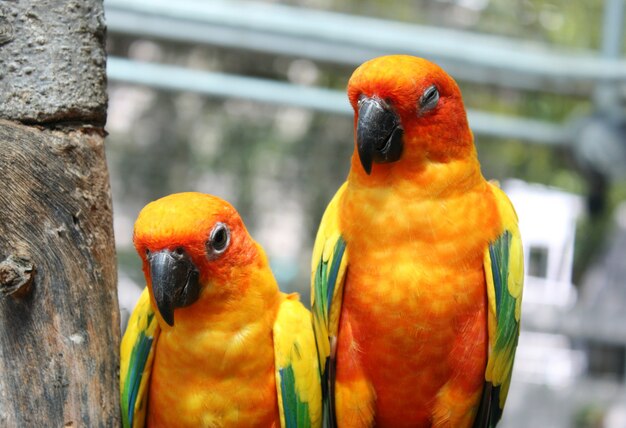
{"type": "Point", "coordinates": [378, 133]}
{"type": "Point", "coordinates": [174, 281]}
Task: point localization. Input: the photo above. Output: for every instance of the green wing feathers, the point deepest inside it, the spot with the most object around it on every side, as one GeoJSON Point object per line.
{"type": "Point", "coordinates": [297, 368]}
{"type": "Point", "coordinates": [504, 272]}
{"type": "Point", "coordinates": [328, 267]}
{"type": "Point", "coordinates": [137, 353]}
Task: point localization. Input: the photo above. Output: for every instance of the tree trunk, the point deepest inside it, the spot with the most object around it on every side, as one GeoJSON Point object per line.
{"type": "Point", "coordinates": [59, 319]}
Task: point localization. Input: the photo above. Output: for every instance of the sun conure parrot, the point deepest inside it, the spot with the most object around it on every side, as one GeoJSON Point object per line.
{"type": "Point", "coordinates": [212, 341]}
{"type": "Point", "coordinates": [417, 266]}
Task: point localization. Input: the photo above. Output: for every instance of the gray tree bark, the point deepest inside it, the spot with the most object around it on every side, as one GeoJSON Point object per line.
{"type": "Point", "coordinates": [59, 318]}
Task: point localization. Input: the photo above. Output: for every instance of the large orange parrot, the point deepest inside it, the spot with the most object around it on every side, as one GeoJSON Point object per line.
{"type": "Point", "coordinates": [417, 266]}
{"type": "Point", "coordinates": [212, 341]}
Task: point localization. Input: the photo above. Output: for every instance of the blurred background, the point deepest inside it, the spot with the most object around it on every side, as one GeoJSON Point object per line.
{"type": "Point", "coordinates": [246, 100]}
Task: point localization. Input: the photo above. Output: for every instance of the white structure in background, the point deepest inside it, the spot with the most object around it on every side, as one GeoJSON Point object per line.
{"type": "Point", "coordinates": [547, 359]}
{"type": "Point", "coordinates": [547, 221]}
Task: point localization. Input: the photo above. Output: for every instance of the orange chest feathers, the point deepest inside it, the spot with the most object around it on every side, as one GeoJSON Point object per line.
{"type": "Point", "coordinates": [220, 376]}
{"type": "Point", "coordinates": [414, 296]}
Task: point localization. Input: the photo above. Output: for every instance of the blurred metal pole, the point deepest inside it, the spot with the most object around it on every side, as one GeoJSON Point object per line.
{"type": "Point", "coordinates": [612, 29]}
{"type": "Point", "coordinates": [173, 78]}
{"type": "Point", "coordinates": [606, 95]}
{"type": "Point", "coordinates": [599, 142]}
{"type": "Point", "coordinates": [349, 40]}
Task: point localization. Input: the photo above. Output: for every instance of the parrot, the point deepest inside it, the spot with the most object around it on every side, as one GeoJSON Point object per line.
{"type": "Point", "coordinates": [417, 266]}
{"type": "Point", "coordinates": [212, 342]}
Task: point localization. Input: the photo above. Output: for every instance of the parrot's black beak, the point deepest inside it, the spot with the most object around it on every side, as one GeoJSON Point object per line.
{"type": "Point", "coordinates": [378, 133]}
{"type": "Point", "coordinates": [174, 281]}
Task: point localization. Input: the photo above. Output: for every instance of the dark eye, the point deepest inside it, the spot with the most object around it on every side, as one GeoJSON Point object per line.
{"type": "Point", "coordinates": [219, 239]}
{"type": "Point", "coordinates": [429, 99]}
{"type": "Point", "coordinates": [360, 100]}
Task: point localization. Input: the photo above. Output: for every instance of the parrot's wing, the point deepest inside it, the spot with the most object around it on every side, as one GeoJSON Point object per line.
{"type": "Point", "coordinates": [137, 354]}
{"type": "Point", "coordinates": [329, 263]}
{"type": "Point", "coordinates": [297, 368]}
{"type": "Point", "coordinates": [504, 272]}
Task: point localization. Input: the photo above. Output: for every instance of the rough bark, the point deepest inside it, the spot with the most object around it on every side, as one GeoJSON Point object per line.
{"type": "Point", "coordinates": [52, 61]}
{"type": "Point", "coordinates": [59, 318]}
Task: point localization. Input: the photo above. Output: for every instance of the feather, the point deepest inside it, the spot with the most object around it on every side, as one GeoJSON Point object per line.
{"type": "Point", "coordinates": [504, 280]}
{"type": "Point", "coordinates": [328, 270]}
{"type": "Point", "coordinates": [296, 365]}
{"type": "Point", "coordinates": [137, 353]}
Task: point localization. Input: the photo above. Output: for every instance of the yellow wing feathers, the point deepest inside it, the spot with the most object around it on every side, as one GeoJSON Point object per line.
{"type": "Point", "coordinates": [297, 368]}
{"type": "Point", "coordinates": [137, 353]}
{"type": "Point", "coordinates": [508, 216]}
{"type": "Point", "coordinates": [328, 268]}
{"type": "Point", "coordinates": [504, 273]}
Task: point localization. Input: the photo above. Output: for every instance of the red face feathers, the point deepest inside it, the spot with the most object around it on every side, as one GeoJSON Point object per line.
{"type": "Point", "coordinates": [407, 111]}
{"type": "Point", "coordinates": [190, 242]}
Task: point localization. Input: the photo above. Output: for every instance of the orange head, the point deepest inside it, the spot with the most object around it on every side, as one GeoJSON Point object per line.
{"type": "Point", "coordinates": [408, 111]}
{"type": "Point", "coordinates": [193, 247]}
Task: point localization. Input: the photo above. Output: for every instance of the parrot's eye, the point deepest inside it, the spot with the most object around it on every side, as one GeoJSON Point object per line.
{"type": "Point", "coordinates": [219, 239]}
{"type": "Point", "coordinates": [360, 100]}
{"type": "Point", "coordinates": [429, 99]}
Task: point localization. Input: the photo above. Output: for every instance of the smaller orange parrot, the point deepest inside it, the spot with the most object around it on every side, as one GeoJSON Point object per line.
{"type": "Point", "coordinates": [212, 341]}
{"type": "Point", "coordinates": [417, 269]}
